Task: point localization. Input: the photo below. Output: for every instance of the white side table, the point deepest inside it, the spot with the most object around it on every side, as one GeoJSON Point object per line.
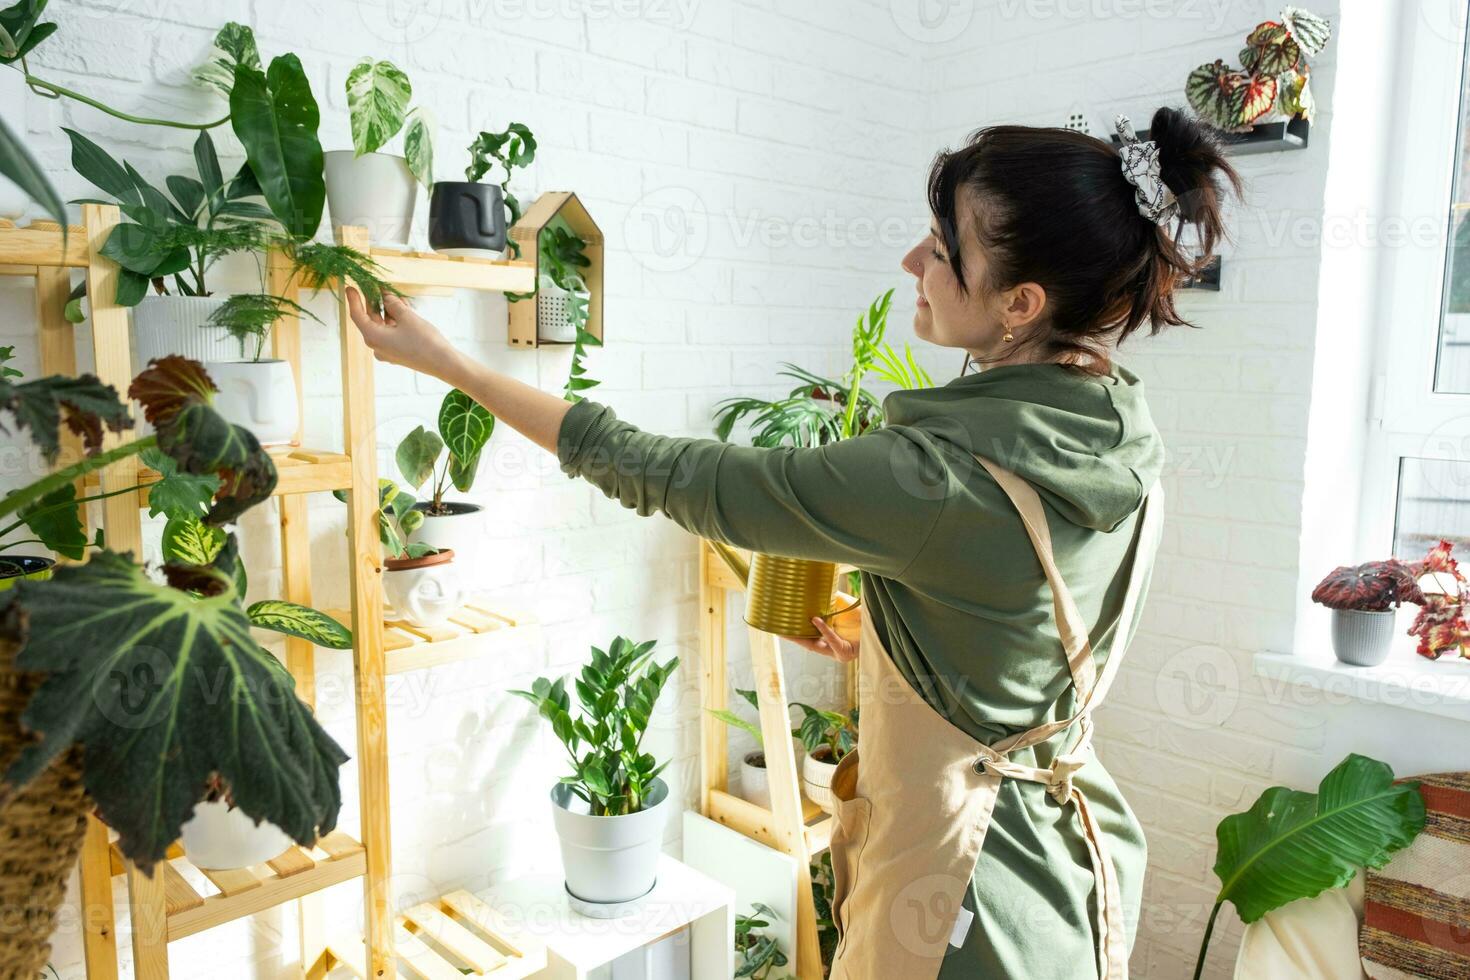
{"type": "Point", "coordinates": [688, 915]}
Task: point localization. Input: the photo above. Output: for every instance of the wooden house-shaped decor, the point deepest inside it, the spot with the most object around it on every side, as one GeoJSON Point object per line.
{"type": "Point", "coordinates": [550, 208]}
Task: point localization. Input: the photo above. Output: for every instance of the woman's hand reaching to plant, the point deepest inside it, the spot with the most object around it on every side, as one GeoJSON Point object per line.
{"type": "Point", "coordinates": [829, 645]}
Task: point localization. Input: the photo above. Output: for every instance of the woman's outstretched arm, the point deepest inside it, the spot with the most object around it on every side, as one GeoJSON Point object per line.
{"type": "Point", "coordinates": [406, 338]}
{"type": "Point", "coordinates": [871, 501]}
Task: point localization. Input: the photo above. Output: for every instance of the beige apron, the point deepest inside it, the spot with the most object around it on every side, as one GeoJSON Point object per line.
{"type": "Point", "coordinates": [900, 872]}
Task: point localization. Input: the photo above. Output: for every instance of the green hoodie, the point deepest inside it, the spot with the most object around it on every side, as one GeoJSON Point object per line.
{"type": "Point", "coordinates": [950, 577]}
{"type": "Point", "coordinates": [955, 590]}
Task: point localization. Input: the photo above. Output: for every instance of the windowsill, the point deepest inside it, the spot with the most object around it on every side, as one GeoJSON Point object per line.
{"type": "Point", "coordinates": [1406, 680]}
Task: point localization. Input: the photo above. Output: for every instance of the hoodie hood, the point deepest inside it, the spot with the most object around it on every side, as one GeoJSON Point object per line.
{"type": "Point", "coordinates": [1086, 442]}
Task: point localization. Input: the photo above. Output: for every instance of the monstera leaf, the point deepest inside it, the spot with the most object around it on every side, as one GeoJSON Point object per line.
{"type": "Point", "coordinates": [166, 689]}
{"type": "Point", "coordinates": [275, 116]}
{"type": "Point", "coordinates": [1292, 844]}
{"type": "Point", "coordinates": [294, 619]}
{"type": "Point", "coordinates": [466, 426]}
{"type": "Point", "coordinates": [377, 101]}
{"type": "Point", "coordinates": [176, 394]}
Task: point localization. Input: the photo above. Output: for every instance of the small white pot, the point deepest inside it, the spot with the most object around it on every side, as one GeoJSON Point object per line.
{"type": "Point", "coordinates": [553, 312]}
{"type": "Point", "coordinates": [13, 201]}
{"type": "Point", "coordinates": [164, 325]}
{"type": "Point", "coordinates": [1362, 638]}
{"type": "Point", "coordinates": [375, 191]}
{"type": "Point", "coordinates": [219, 838]}
{"type": "Point", "coordinates": [755, 783]}
{"type": "Point", "coordinates": [424, 592]}
{"type": "Point", "coordinates": [259, 395]}
{"type": "Point", "coordinates": [816, 778]}
{"type": "Point", "coordinates": [459, 529]}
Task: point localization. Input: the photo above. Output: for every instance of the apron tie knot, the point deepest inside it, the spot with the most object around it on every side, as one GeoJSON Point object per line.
{"type": "Point", "coordinates": [1059, 786]}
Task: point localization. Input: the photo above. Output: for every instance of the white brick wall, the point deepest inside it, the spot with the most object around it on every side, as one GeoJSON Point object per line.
{"type": "Point", "coordinates": [758, 169]}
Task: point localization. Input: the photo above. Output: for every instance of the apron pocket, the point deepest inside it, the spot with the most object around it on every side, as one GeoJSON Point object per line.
{"type": "Point", "coordinates": [849, 835]}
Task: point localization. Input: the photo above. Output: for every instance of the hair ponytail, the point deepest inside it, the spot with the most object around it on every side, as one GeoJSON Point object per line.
{"type": "Point", "coordinates": [1053, 206]}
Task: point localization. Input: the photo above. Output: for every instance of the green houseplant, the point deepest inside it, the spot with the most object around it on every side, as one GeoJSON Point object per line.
{"type": "Point", "coordinates": [450, 457]}
{"type": "Point", "coordinates": [113, 678]}
{"type": "Point", "coordinates": [369, 188]}
{"type": "Point", "coordinates": [755, 783]}
{"type": "Point", "coordinates": [1273, 84]}
{"type": "Point", "coordinates": [756, 954]}
{"type": "Point", "coordinates": [1292, 844]}
{"type": "Point", "coordinates": [418, 578]}
{"type": "Point", "coordinates": [610, 812]}
{"type": "Point", "coordinates": [827, 736]}
{"type": "Point", "coordinates": [471, 217]}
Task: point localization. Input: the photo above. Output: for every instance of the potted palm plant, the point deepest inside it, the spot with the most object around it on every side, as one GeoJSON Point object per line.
{"type": "Point", "coordinates": [827, 736]}
{"type": "Point", "coordinates": [364, 186]}
{"type": "Point", "coordinates": [610, 812]}
{"type": "Point", "coordinates": [467, 217]}
{"type": "Point", "coordinates": [109, 674]}
{"type": "Point", "coordinates": [1364, 599]}
{"type": "Point", "coordinates": [465, 427]}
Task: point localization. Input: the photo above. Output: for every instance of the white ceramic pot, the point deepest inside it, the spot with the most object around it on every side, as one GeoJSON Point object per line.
{"type": "Point", "coordinates": [609, 859]}
{"type": "Point", "coordinates": [553, 312]}
{"type": "Point", "coordinates": [755, 783]}
{"type": "Point", "coordinates": [219, 837]}
{"type": "Point", "coordinates": [424, 591]}
{"type": "Point", "coordinates": [1362, 638]}
{"type": "Point", "coordinates": [13, 96]}
{"type": "Point", "coordinates": [164, 325]}
{"type": "Point", "coordinates": [816, 778]}
{"type": "Point", "coordinates": [375, 191]}
{"type": "Point", "coordinates": [259, 395]}
{"type": "Point", "coordinates": [460, 529]}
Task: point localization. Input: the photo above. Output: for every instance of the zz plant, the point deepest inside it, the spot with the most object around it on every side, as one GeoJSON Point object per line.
{"type": "Point", "coordinates": [617, 690]}
{"type": "Point", "coordinates": [155, 675]}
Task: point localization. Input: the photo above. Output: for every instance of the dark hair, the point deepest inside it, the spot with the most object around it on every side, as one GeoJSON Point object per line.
{"type": "Point", "coordinates": [1052, 206]}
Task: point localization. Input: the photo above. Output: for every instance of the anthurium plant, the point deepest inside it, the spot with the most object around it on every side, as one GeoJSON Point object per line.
{"type": "Point", "coordinates": [156, 676]}
{"type": "Point", "coordinates": [1274, 76]}
{"type": "Point", "coordinates": [378, 96]}
{"type": "Point", "coordinates": [465, 427]}
{"type": "Point", "coordinates": [1293, 844]}
{"type": "Point", "coordinates": [833, 731]}
{"type": "Point", "coordinates": [821, 410]}
{"type": "Point", "coordinates": [617, 690]}
{"type": "Point", "coordinates": [397, 519]}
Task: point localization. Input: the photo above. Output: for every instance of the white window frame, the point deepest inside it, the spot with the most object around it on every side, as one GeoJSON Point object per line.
{"type": "Point", "coordinates": [1406, 416]}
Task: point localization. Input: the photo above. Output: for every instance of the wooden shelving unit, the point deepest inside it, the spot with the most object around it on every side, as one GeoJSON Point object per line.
{"type": "Point", "coordinates": [449, 938]}
{"type": "Point", "coordinates": [793, 825]}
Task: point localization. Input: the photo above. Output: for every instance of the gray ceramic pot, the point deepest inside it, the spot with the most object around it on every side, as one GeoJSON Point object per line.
{"type": "Point", "coordinates": [1362, 638]}
{"type": "Point", "coordinates": [609, 859]}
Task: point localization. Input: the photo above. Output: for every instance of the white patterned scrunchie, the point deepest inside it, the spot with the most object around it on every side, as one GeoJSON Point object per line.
{"type": "Point", "coordinates": [1141, 167]}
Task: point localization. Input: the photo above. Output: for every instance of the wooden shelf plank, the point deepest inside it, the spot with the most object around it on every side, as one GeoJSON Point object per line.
{"type": "Point", "coordinates": [757, 823]}
{"type": "Point", "coordinates": [476, 630]}
{"type": "Point", "coordinates": [420, 959]}
{"type": "Point", "coordinates": [430, 269]}
{"type": "Point", "coordinates": [232, 881]}
{"type": "Point", "coordinates": [39, 243]}
{"type": "Point", "coordinates": [524, 955]}
{"type": "Point", "coordinates": [297, 471]}
{"type": "Point", "coordinates": [291, 861]}
{"type": "Point", "coordinates": [431, 921]}
{"type": "Point", "coordinates": [219, 909]}
{"type": "Point", "coordinates": [178, 894]}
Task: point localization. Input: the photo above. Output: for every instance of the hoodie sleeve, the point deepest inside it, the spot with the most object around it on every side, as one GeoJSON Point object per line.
{"type": "Point", "coordinates": [871, 501]}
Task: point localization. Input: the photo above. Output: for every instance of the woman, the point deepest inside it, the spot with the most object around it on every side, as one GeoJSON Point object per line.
{"type": "Point", "coordinates": [999, 521]}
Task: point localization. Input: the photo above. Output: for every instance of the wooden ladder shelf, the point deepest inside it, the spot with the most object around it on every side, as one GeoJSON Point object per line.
{"type": "Point", "coordinates": [793, 825]}
{"type": "Point", "coordinates": [456, 935]}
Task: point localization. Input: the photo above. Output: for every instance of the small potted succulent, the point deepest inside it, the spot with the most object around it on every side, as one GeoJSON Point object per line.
{"type": "Point", "coordinates": [1441, 625]}
{"type": "Point", "coordinates": [611, 811]}
{"type": "Point", "coordinates": [371, 189]}
{"type": "Point", "coordinates": [827, 736]}
{"type": "Point", "coordinates": [756, 953]}
{"type": "Point", "coordinates": [755, 785]}
{"type": "Point", "coordinates": [467, 217]}
{"type": "Point", "coordinates": [1364, 599]}
{"type": "Point", "coordinates": [419, 580]}
{"type": "Point", "coordinates": [464, 429]}
{"type": "Point", "coordinates": [1272, 85]}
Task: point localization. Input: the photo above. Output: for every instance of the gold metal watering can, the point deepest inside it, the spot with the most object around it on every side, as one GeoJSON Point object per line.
{"type": "Point", "coordinates": [783, 594]}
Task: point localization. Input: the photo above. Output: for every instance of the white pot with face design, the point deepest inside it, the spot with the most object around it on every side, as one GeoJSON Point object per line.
{"type": "Point", "coordinates": [423, 591]}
